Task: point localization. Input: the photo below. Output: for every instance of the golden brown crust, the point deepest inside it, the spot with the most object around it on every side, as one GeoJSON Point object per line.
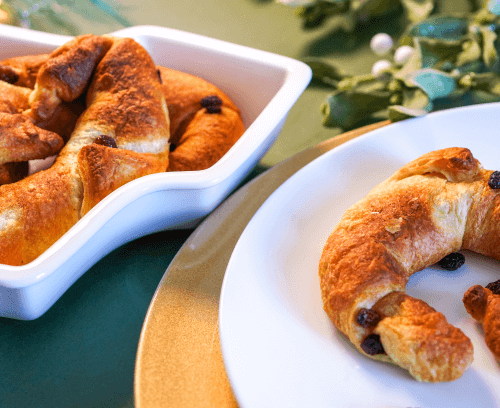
{"type": "Point", "coordinates": [13, 99]}
{"type": "Point", "coordinates": [21, 140]}
{"type": "Point", "coordinates": [105, 169]}
{"type": "Point", "coordinates": [484, 306]}
{"type": "Point", "coordinates": [423, 212]}
{"type": "Point", "coordinates": [207, 138]}
{"type": "Point", "coordinates": [200, 138]}
{"type": "Point", "coordinates": [66, 74]}
{"type": "Point", "coordinates": [23, 69]}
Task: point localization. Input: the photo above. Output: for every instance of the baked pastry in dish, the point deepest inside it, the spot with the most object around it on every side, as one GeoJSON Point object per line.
{"type": "Point", "coordinates": [102, 105]}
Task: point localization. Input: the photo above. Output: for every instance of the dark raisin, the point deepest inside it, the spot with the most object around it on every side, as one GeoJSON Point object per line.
{"type": "Point", "coordinates": [172, 147]}
{"type": "Point", "coordinates": [494, 181]}
{"type": "Point", "coordinates": [105, 140]}
{"type": "Point", "coordinates": [372, 345]}
{"type": "Point", "coordinates": [494, 287]}
{"type": "Point", "coordinates": [452, 261]}
{"type": "Point", "coordinates": [367, 318]}
{"type": "Point", "coordinates": [159, 76]}
{"type": "Point", "coordinates": [213, 109]}
{"type": "Point", "coordinates": [7, 74]}
{"type": "Point", "coordinates": [212, 100]}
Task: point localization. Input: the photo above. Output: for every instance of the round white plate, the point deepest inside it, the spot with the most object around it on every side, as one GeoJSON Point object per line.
{"type": "Point", "coordinates": [279, 347]}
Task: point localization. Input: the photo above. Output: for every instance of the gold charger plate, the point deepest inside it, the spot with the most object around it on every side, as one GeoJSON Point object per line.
{"type": "Point", "coordinates": [179, 361]}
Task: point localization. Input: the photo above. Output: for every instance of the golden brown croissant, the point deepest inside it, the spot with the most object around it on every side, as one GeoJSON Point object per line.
{"type": "Point", "coordinates": [204, 121]}
{"type": "Point", "coordinates": [483, 304]}
{"type": "Point", "coordinates": [125, 106]}
{"type": "Point", "coordinates": [433, 206]}
{"type": "Point", "coordinates": [53, 90]}
{"type": "Point", "coordinates": [21, 137]}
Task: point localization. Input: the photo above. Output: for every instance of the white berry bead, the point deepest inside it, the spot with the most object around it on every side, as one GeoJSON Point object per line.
{"type": "Point", "coordinates": [403, 54]}
{"type": "Point", "coordinates": [379, 67]}
{"type": "Point", "coordinates": [381, 43]}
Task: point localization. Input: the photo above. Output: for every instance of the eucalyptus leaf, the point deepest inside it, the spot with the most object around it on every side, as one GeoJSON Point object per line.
{"type": "Point", "coordinates": [346, 108]}
{"type": "Point", "coordinates": [475, 66]}
{"type": "Point", "coordinates": [434, 51]}
{"type": "Point", "coordinates": [443, 28]}
{"type": "Point", "coordinates": [417, 11]}
{"type": "Point", "coordinates": [484, 16]}
{"type": "Point", "coordinates": [436, 84]}
{"type": "Point", "coordinates": [398, 113]}
{"type": "Point", "coordinates": [324, 72]}
{"type": "Point", "coordinates": [480, 96]}
{"type": "Point", "coordinates": [372, 9]}
{"type": "Point", "coordinates": [471, 51]}
{"type": "Point", "coordinates": [494, 7]}
{"type": "Point", "coordinates": [415, 98]}
{"type": "Point", "coordinates": [489, 52]}
{"type": "Point", "coordinates": [490, 84]}
{"type": "Point", "coordinates": [346, 22]}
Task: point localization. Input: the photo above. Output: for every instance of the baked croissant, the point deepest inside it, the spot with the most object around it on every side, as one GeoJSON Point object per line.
{"type": "Point", "coordinates": [204, 122]}
{"type": "Point", "coordinates": [433, 206]}
{"type": "Point", "coordinates": [22, 137]}
{"type": "Point", "coordinates": [125, 107]}
{"type": "Point", "coordinates": [483, 304]}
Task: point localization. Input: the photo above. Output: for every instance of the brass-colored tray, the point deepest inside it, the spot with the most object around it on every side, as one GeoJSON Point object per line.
{"type": "Point", "coordinates": [179, 360]}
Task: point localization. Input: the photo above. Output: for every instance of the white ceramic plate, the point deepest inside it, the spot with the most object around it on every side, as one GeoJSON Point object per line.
{"type": "Point", "coordinates": [279, 347]}
{"type": "Point", "coordinates": [263, 85]}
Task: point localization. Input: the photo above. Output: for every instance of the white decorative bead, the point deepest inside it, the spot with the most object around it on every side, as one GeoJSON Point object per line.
{"type": "Point", "coordinates": [403, 54]}
{"type": "Point", "coordinates": [379, 67]}
{"type": "Point", "coordinates": [381, 43]}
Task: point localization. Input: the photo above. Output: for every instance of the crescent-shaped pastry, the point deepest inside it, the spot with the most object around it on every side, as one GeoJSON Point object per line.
{"type": "Point", "coordinates": [115, 110]}
{"type": "Point", "coordinates": [431, 207]}
{"type": "Point", "coordinates": [125, 104]}
{"type": "Point", "coordinates": [204, 122]}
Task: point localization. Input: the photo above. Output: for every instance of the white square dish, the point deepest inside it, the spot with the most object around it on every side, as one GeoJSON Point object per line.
{"type": "Point", "coordinates": [263, 85]}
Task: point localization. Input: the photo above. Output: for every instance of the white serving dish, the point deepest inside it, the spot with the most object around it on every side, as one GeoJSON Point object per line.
{"type": "Point", "coordinates": [263, 85]}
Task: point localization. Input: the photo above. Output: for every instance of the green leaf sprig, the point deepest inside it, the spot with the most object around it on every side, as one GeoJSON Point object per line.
{"type": "Point", "coordinates": [455, 63]}
{"type": "Point", "coordinates": [350, 13]}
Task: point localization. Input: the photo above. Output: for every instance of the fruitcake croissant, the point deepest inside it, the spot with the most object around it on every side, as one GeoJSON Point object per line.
{"type": "Point", "coordinates": [435, 205]}
{"type": "Point", "coordinates": [123, 134]}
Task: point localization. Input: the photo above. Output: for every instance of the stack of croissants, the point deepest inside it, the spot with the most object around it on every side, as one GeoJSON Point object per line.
{"type": "Point", "coordinates": [108, 115]}
{"type": "Point", "coordinates": [434, 206]}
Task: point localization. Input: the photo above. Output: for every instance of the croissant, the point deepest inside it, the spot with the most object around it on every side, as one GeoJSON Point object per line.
{"type": "Point", "coordinates": [122, 134]}
{"type": "Point", "coordinates": [433, 206]}
{"type": "Point", "coordinates": [116, 111]}
{"type": "Point", "coordinates": [204, 122]}
{"type": "Point", "coordinates": [483, 304]}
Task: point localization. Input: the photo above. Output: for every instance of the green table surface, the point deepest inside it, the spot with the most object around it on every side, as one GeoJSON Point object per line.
{"type": "Point", "coordinates": [81, 352]}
